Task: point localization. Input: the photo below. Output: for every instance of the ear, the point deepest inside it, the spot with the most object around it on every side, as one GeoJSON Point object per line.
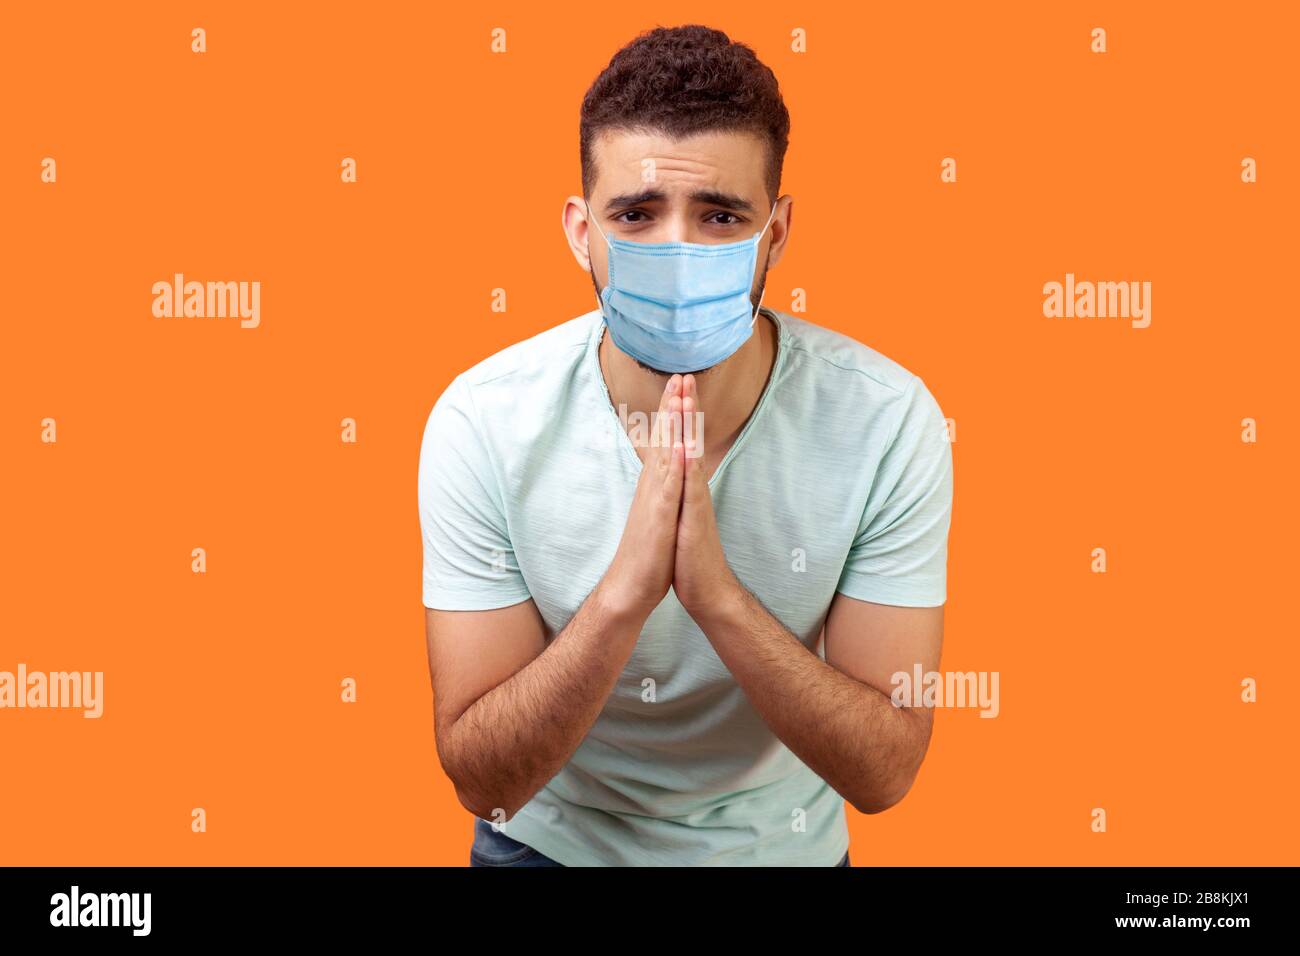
{"type": "Point", "coordinates": [579, 232]}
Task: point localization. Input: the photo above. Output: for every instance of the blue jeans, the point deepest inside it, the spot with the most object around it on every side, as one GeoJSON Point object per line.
{"type": "Point", "coordinates": [494, 848]}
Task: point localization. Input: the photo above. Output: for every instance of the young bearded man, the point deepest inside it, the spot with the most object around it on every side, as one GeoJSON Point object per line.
{"type": "Point", "coordinates": [624, 622]}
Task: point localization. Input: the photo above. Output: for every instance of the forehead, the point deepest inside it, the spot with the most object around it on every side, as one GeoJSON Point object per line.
{"type": "Point", "coordinates": [733, 161]}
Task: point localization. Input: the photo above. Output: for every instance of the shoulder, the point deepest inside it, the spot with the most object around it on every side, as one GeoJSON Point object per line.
{"type": "Point", "coordinates": [838, 356]}
{"type": "Point", "coordinates": [550, 353]}
{"type": "Point", "coordinates": [521, 375]}
{"type": "Point", "coordinates": [845, 373]}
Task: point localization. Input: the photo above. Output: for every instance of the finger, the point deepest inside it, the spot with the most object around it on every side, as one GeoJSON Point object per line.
{"type": "Point", "coordinates": [673, 387]}
{"type": "Point", "coordinates": [692, 440]}
{"type": "Point", "coordinates": [695, 468]}
{"type": "Point", "coordinates": [661, 431]}
{"type": "Point", "coordinates": [689, 436]}
{"type": "Point", "coordinates": [677, 456]}
{"type": "Point", "coordinates": [695, 490]}
{"type": "Point", "coordinates": [692, 423]}
{"type": "Point", "coordinates": [672, 486]}
{"type": "Point", "coordinates": [678, 414]}
{"type": "Point", "coordinates": [668, 433]}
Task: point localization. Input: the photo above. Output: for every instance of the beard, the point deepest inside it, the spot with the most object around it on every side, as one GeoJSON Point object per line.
{"type": "Point", "coordinates": [754, 300]}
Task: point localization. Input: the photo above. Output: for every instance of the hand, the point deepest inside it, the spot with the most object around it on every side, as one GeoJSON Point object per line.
{"type": "Point", "coordinates": [702, 579]}
{"type": "Point", "coordinates": [642, 570]}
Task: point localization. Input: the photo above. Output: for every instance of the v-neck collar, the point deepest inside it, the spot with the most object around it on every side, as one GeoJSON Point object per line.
{"type": "Point", "coordinates": [629, 450]}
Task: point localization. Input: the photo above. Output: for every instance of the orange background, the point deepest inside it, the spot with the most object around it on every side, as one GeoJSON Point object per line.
{"type": "Point", "coordinates": [1119, 690]}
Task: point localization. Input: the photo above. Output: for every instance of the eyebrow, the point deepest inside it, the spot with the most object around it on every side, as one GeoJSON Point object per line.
{"type": "Point", "coordinates": [708, 197]}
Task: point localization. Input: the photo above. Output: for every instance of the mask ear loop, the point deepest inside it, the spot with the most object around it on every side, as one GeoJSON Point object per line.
{"type": "Point", "coordinates": [757, 240]}
{"type": "Point", "coordinates": [592, 219]}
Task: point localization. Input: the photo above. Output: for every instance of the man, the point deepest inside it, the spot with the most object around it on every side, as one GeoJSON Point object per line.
{"type": "Point", "coordinates": [624, 622]}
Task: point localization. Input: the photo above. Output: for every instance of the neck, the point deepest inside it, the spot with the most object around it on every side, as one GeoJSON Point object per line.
{"type": "Point", "coordinates": [728, 392]}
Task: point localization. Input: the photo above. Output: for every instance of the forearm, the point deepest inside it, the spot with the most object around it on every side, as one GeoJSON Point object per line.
{"type": "Point", "coordinates": [518, 735]}
{"type": "Point", "coordinates": [848, 732]}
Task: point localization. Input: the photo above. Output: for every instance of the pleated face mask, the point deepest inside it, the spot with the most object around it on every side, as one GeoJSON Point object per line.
{"type": "Point", "coordinates": [680, 306]}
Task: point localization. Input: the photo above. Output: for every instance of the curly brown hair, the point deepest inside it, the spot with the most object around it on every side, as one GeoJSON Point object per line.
{"type": "Point", "coordinates": [685, 80]}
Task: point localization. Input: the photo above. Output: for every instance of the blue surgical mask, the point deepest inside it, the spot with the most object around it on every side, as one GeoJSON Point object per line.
{"type": "Point", "coordinates": [680, 306]}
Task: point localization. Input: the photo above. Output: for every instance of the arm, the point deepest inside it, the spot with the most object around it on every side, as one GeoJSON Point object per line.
{"type": "Point", "coordinates": [508, 714]}
{"type": "Point", "coordinates": [510, 709]}
{"type": "Point", "coordinates": [836, 715]}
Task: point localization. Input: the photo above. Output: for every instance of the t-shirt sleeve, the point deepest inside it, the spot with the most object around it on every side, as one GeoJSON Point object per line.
{"type": "Point", "coordinates": [900, 552]}
{"type": "Point", "coordinates": [469, 563]}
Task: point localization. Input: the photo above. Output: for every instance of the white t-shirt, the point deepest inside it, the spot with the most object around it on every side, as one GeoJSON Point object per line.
{"type": "Point", "coordinates": [841, 480]}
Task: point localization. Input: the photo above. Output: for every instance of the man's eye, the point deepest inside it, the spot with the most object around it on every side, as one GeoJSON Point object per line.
{"type": "Point", "coordinates": [635, 213]}
{"type": "Point", "coordinates": [729, 219]}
